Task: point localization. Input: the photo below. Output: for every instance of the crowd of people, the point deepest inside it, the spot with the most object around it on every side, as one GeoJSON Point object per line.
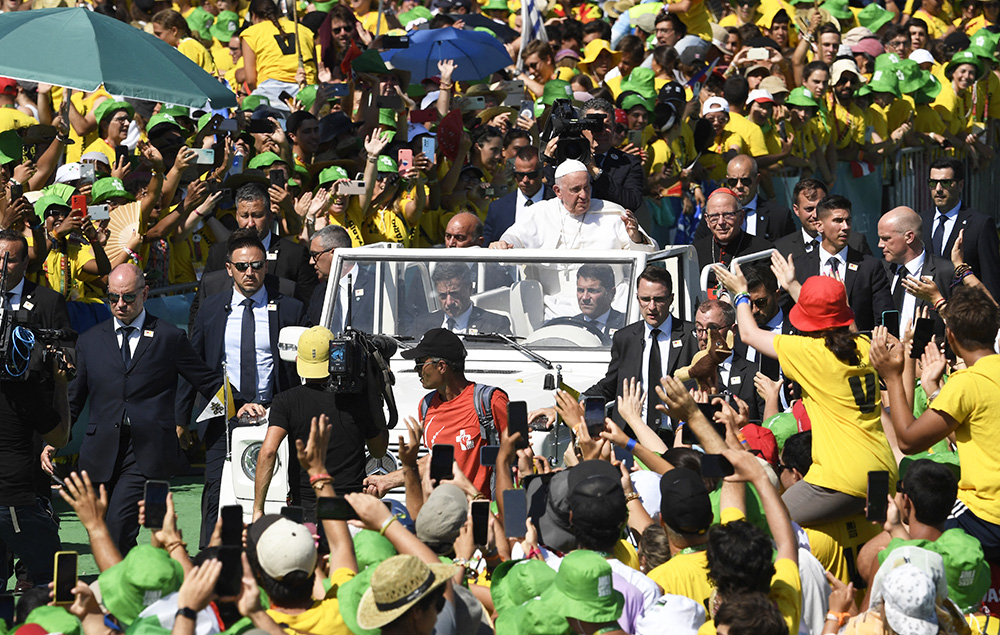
{"type": "Point", "coordinates": [729, 490]}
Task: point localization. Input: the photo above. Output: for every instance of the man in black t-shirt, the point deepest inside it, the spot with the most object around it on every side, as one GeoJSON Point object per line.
{"type": "Point", "coordinates": [26, 526]}
{"type": "Point", "coordinates": [292, 411]}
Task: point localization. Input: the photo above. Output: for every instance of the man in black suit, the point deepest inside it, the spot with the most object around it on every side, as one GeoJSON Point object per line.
{"type": "Point", "coordinates": [762, 218]}
{"type": "Point", "coordinates": [322, 246]}
{"type": "Point", "coordinates": [614, 176]}
{"type": "Point", "coordinates": [453, 284]}
{"type": "Point", "coordinates": [650, 349]}
{"type": "Point", "coordinates": [505, 210]}
{"type": "Point", "coordinates": [595, 291]}
{"type": "Point", "coordinates": [942, 225]}
{"type": "Point", "coordinates": [806, 196]}
{"type": "Point", "coordinates": [727, 240]}
{"type": "Point", "coordinates": [867, 285]}
{"type": "Point", "coordinates": [128, 366]}
{"type": "Point", "coordinates": [285, 258]}
{"type": "Point", "coordinates": [465, 229]}
{"type": "Point", "coordinates": [240, 327]}
{"type": "Point", "coordinates": [904, 255]}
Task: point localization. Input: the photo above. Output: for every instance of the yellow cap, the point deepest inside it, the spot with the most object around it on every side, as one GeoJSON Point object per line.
{"type": "Point", "coordinates": [312, 361]}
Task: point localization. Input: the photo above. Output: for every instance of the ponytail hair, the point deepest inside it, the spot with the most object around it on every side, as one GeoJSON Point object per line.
{"type": "Point", "coordinates": [267, 10]}
{"type": "Point", "coordinates": [170, 19]}
{"type": "Point", "coordinates": [841, 342]}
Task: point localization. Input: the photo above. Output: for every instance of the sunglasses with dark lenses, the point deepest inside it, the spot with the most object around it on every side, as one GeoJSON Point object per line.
{"type": "Point", "coordinates": [337, 30]}
{"type": "Point", "coordinates": [933, 183]}
{"type": "Point", "coordinates": [128, 297]}
{"type": "Point", "coordinates": [316, 254]}
{"type": "Point", "coordinates": [739, 180]}
{"type": "Point", "coordinates": [256, 265]}
{"type": "Point", "coordinates": [388, 177]}
{"type": "Point", "coordinates": [531, 174]}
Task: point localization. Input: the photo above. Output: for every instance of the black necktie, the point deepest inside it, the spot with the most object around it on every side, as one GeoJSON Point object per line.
{"type": "Point", "coordinates": [653, 374]}
{"type": "Point", "coordinates": [126, 349]}
{"type": "Point", "coordinates": [528, 202]}
{"type": "Point", "coordinates": [248, 352]}
{"type": "Point", "coordinates": [897, 290]}
{"type": "Point", "coordinates": [452, 324]}
{"type": "Point", "coordinates": [8, 302]}
{"type": "Point", "coordinates": [938, 238]}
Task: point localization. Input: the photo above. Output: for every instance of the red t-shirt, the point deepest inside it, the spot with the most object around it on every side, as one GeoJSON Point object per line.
{"type": "Point", "coordinates": [455, 423]}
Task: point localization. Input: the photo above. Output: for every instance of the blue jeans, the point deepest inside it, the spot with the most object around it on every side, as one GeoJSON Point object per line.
{"type": "Point", "coordinates": [32, 534]}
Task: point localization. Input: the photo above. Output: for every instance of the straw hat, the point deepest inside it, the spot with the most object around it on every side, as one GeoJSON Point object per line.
{"type": "Point", "coordinates": [397, 584]}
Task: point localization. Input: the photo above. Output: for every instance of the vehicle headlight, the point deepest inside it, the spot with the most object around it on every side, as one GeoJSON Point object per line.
{"type": "Point", "coordinates": [249, 459]}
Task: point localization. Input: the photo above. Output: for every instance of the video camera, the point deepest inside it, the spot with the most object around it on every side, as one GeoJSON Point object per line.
{"type": "Point", "coordinates": [564, 122]}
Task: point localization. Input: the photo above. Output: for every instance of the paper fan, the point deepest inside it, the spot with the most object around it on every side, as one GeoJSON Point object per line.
{"type": "Point", "coordinates": [123, 225]}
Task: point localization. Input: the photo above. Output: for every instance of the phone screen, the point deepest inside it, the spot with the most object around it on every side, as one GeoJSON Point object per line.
{"type": "Point", "coordinates": [405, 157]}
{"type": "Point", "coordinates": [923, 332]}
{"type": "Point", "coordinates": [515, 513]}
{"type": "Point", "coordinates": [716, 466]}
{"type": "Point", "coordinates": [890, 320]}
{"type": "Point", "coordinates": [230, 580]}
{"type": "Point", "coordinates": [260, 126]}
{"type": "Point", "coordinates": [878, 494]}
{"type": "Point", "coordinates": [429, 147]}
{"type": "Point", "coordinates": [480, 522]}
{"type": "Point", "coordinates": [334, 508]}
{"type": "Point", "coordinates": [593, 415]}
{"type": "Point", "coordinates": [517, 421]}
{"type": "Point", "coordinates": [65, 577]}
{"type": "Point", "coordinates": [442, 457]}
{"type": "Point", "coordinates": [232, 525]}
{"type": "Point", "coordinates": [121, 152]}
{"type": "Point", "coordinates": [155, 498]}
{"type": "Point", "coordinates": [488, 455]}
{"type": "Point", "coordinates": [277, 177]}
{"type": "Point", "coordinates": [294, 513]}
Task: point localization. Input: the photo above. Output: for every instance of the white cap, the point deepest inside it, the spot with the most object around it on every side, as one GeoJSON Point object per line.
{"type": "Point", "coordinates": [283, 546]}
{"type": "Point", "coordinates": [429, 99]}
{"type": "Point", "coordinates": [68, 173]}
{"type": "Point", "coordinates": [96, 157]}
{"type": "Point", "coordinates": [921, 56]}
{"type": "Point", "coordinates": [760, 95]}
{"type": "Point", "coordinates": [415, 129]}
{"type": "Point", "coordinates": [714, 104]}
{"type": "Point", "coordinates": [569, 166]}
{"type": "Point", "coordinates": [844, 50]}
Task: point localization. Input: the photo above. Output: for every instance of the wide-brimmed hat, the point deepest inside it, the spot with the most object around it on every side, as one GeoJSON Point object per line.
{"type": "Point", "coordinates": [517, 581]}
{"type": "Point", "coordinates": [874, 17]}
{"type": "Point", "coordinates": [964, 57]}
{"type": "Point", "coordinates": [908, 598]}
{"type": "Point", "coordinates": [802, 97]}
{"type": "Point", "coordinates": [822, 305]}
{"type": "Point", "coordinates": [396, 585]}
{"type": "Point", "coordinates": [144, 576]}
{"type": "Point", "coordinates": [107, 188]}
{"type": "Point", "coordinates": [443, 515]}
{"type": "Point", "coordinates": [583, 589]}
{"type": "Point", "coordinates": [593, 49]}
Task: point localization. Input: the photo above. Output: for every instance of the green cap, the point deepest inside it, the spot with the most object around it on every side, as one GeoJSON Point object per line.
{"type": "Point", "coordinates": [928, 91]}
{"type": "Point", "coordinates": [782, 426]}
{"type": "Point", "coordinates": [110, 106]}
{"type": "Point", "coordinates": [495, 5]}
{"type": "Point", "coordinates": [203, 120]}
{"type": "Point", "coordinates": [887, 62]}
{"type": "Point", "coordinates": [142, 578]}
{"type": "Point", "coordinates": [55, 619]}
{"type": "Point", "coordinates": [250, 102]}
{"type": "Point", "coordinates": [964, 57]}
{"type": "Point", "coordinates": [949, 459]}
{"type": "Point", "coordinates": [11, 147]}
{"type": "Point", "coordinates": [641, 80]}
{"type": "Point", "coordinates": [801, 96]}
{"type": "Point", "coordinates": [264, 160]}
{"type": "Point", "coordinates": [200, 22]}
{"type": "Point", "coordinates": [532, 618]}
{"type": "Point", "coordinates": [176, 111]}
{"type": "Point", "coordinates": [65, 191]}
{"type": "Point", "coordinates": [330, 175]}
{"type": "Point", "coordinates": [517, 581]}
{"type": "Point", "coordinates": [873, 17]}
{"type": "Point", "coordinates": [555, 89]}
{"type": "Point", "coordinates": [349, 597]}
{"type": "Point", "coordinates": [165, 118]}
{"type": "Point", "coordinates": [107, 188]}
{"type": "Point", "coordinates": [883, 82]}
{"type": "Point", "coordinates": [226, 25]}
{"type": "Point", "coordinates": [370, 547]}
{"type": "Point", "coordinates": [307, 95]}
{"type": "Point", "coordinates": [838, 9]}
{"type": "Point", "coordinates": [49, 200]}
{"type": "Point", "coordinates": [632, 100]}
{"type": "Point", "coordinates": [909, 75]}
{"type": "Point", "coordinates": [369, 62]}
{"type": "Point", "coordinates": [147, 626]}
{"type": "Point", "coordinates": [387, 164]}
{"type": "Point", "coordinates": [416, 13]}
{"type": "Point", "coordinates": [387, 117]}
{"type": "Point", "coordinates": [583, 589]}
{"type": "Point", "coordinates": [986, 42]}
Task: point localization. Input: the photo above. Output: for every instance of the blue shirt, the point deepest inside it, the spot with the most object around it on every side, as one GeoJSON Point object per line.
{"type": "Point", "coordinates": [262, 337]}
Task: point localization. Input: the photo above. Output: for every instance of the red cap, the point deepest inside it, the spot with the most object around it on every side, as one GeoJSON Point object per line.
{"type": "Point", "coordinates": [822, 305]}
{"type": "Point", "coordinates": [761, 442]}
{"type": "Point", "coordinates": [8, 86]}
{"type": "Point", "coordinates": [723, 190]}
{"type": "Point", "coordinates": [801, 416]}
{"type": "Point", "coordinates": [31, 629]}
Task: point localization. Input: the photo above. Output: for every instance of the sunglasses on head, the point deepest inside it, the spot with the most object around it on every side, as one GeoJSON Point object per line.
{"type": "Point", "coordinates": [256, 265]}
{"type": "Point", "coordinates": [128, 297]}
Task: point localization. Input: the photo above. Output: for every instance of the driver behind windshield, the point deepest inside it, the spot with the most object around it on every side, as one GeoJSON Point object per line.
{"type": "Point", "coordinates": [595, 291]}
{"type": "Point", "coordinates": [453, 285]}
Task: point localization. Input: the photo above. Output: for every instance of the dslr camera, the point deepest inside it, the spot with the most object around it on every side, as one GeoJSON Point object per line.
{"type": "Point", "coordinates": [565, 122]}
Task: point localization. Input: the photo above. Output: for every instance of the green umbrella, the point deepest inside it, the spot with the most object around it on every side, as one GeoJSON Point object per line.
{"type": "Point", "coordinates": [82, 49]}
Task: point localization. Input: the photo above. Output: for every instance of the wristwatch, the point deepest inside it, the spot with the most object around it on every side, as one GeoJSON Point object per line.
{"type": "Point", "coordinates": [189, 613]}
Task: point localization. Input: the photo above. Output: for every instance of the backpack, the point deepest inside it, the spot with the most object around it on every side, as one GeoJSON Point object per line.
{"type": "Point", "coordinates": [481, 398]}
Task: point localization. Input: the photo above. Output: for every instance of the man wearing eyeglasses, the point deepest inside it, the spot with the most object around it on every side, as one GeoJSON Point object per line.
{"type": "Point", "coordinates": [949, 218]}
{"type": "Point", "coordinates": [724, 216]}
{"type": "Point", "coordinates": [761, 217]}
{"type": "Point", "coordinates": [507, 210]}
{"type": "Point", "coordinates": [321, 249]}
{"type": "Point", "coordinates": [128, 366]}
{"type": "Point", "coordinates": [239, 327]}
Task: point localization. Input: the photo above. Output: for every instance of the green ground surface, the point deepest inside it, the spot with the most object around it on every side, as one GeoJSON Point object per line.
{"type": "Point", "coordinates": [187, 502]}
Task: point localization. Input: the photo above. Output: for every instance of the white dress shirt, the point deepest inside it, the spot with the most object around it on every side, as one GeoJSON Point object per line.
{"type": "Point", "coordinates": [774, 326]}
{"type": "Point", "coordinates": [825, 268]}
{"type": "Point", "coordinates": [461, 322]}
{"type": "Point", "coordinates": [551, 226]}
{"type": "Point", "coordinates": [521, 199]}
{"type": "Point", "coordinates": [134, 334]}
{"type": "Point", "coordinates": [664, 341]}
{"type": "Point", "coordinates": [750, 216]}
{"type": "Point", "coordinates": [912, 268]}
{"type": "Point", "coordinates": [810, 242]}
{"type": "Point", "coordinates": [262, 341]}
{"type": "Point", "coordinates": [950, 218]}
{"type": "Point", "coordinates": [601, 321]}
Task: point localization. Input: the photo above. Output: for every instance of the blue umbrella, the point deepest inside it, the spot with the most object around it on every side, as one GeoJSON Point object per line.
{"type": "Point", "coordinates": [477, 55]}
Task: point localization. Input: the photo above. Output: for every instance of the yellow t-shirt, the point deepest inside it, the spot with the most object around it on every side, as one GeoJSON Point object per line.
{"type": "Point", "coordinates": [188, 256]}
{"type": "Point", "coordinates": [352, 220]}
{"type": "Point", "coordinates": [844, 405]}
{"type": "Point", "coordinates": [876, 118]}
{"type": "Point", "coordinates": [848, 125]}
{"type": "Point", "coordinates": [953, 108]}
{"type": "Point", "coordinates": [11, 119]}
{"type": "Point", "coordinates": [221, 56]}
{"type": "Point", "coordinates": [324, 617]}
{"type": "Point", "coordinates": [696, 20]}
{"type": "Point", "coordinates": [986, 98]}
{"type": "Point", "coordinates": [279, 60]}
{"type": "Point", "coordinates": [197, 53]}
{"type": "Point", "coordinates": [803, 141]}
{"type": "Point", "coordinates": [976, 23]}
{"type": "Point", "coordinates": [785, 593]}
{"type": "Point", "coordinates": [972, 397]}
{"type": "Point", "coordinates": [371, 20]}
{"type": "Point", "coordinates": [927, 120]}
{"type": "Point", "coordinates": [750, 131]}
{"type": "Point", "coordinates": [84, 104]}
{"type": "Point", "coordinates": [685, 574]}
{"type": "Point", "coordinates": [64, 273]}
{"type": "Point", "coordinates": [936, 27]}
{"type": "Point", "coordinates": [100, 145]}
{"type": "Point", "coordinates": [429, 232]}
{"type": "Point", "coordinates": [900, 111]}
{"type": "Point", "coordinates": [836, 544]}
{"type": "Point", "coordinates": [386, 226]}
{"type": "Point", "coordinates": [715, 163]}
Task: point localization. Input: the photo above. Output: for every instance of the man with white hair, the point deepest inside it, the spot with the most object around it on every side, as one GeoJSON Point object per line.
{"type": "Point", "coordinates": [574, 220]}
{"type": "Point", "coordinates": [724, 216]}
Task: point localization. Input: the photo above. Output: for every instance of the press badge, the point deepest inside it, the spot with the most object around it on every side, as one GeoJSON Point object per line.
{"type": "Point", "coordinates": [272, 255]}
{"type": "Point", "coordinates": [271, 306]}
{"type": "Point", "coordinates": [734, 381]}
{"type": "Point", "coordinates": [27, 306]}
{"type": "Point", "coordinates": [678, 344]}
{"type": "Point", "coordinates": [852, 266]}
{"type": "Point", "coordinates": [147, 333]}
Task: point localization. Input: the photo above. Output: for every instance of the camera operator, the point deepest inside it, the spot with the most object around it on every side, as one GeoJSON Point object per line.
{"type": "Point", "coordinates": [354, 427]}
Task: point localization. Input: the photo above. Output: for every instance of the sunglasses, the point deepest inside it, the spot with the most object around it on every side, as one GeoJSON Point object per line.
{"type": "Point", "coordinates": [256, 265]}
{"type": "Point", "coordinates": [738, 180]}
{"type": "Point", "coordinates": [336, 30]}
{"type": "Point", "coordinates": [129, 298]}
{"type": "Point", "coordinates": [316, 254]}
{"type": "Point", "coordinates": [531, 174]}
{"type": "Point", "coordinates": [946, 183]}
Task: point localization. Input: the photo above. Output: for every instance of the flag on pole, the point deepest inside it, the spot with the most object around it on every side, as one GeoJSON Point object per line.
{"type": "Point", "coordinates": [532, 26]}
{"type": "Point", "coordinates": [221, 403]}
